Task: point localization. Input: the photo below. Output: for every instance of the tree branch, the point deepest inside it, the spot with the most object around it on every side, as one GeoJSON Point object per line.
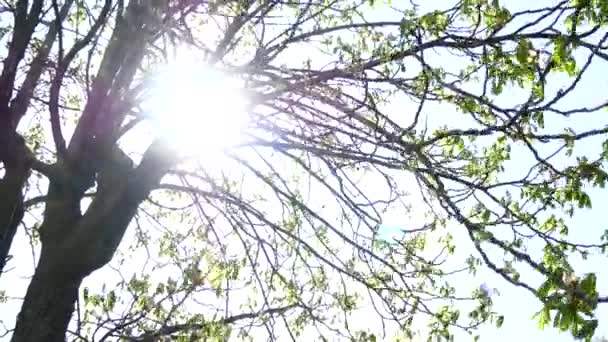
{"type": "Point", "coordinates": [21, 101]}
{"type": "Point", "coordinates": [172, 329]}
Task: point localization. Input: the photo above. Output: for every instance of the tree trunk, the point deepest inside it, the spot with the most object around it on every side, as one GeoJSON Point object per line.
{"type": "Point", "coordinates": [13, 155]}
{"type": "Point", "coordinates": [49, 303]}
{"type": "Point", "coordinates": [11, 211]}
{"type": "Point", "coordinates": [75, 245]}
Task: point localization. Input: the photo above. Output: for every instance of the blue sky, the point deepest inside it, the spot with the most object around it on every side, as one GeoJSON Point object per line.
{"type": "Point", "coordinates": [516, 304]}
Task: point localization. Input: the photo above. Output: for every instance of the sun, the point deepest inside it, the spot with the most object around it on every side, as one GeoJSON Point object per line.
{"type": "Point", "coordinates": [199, 109]}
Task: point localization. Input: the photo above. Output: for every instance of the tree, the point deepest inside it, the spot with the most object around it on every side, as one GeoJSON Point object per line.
{"type": "Point", "coordinates": [354, 106]}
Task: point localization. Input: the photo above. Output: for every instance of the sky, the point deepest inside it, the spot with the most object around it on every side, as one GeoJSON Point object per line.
{"type": "Point", "coordinates": [517, 305]}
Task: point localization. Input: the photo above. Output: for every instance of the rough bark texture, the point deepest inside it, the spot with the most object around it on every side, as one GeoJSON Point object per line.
{"type": "Point", "coordinates": [52, 292]}
{"type": "Point", "coordinates": [49, 303]}
{"type": "Point", "coordinates": [13, 152]}
{"type": "Point", "coordinates": [11, 211]}
{"type": "Point", "coordinates": [75, 245]}
{"type": "Point", "coordinates": [11, 193]}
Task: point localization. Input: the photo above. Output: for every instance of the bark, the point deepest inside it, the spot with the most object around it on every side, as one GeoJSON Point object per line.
{"type": "Point", "coordinates": [49, 303]}
{"type": "Point", "coordinates": [11, 210]}
{"type": "Point", "coordinates": [13, 154]}
{"type": "Point", "coordinates": [75, 245]}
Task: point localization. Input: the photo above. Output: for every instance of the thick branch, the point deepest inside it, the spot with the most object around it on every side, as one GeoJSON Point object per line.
{"type": "Point", "coordinates": [120, 192]}
{"type": "Point", "coordinates": [62, 68]}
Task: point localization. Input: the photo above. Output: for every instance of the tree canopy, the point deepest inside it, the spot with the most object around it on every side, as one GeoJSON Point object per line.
{"type": "Point", "coordinates": [389, 152]}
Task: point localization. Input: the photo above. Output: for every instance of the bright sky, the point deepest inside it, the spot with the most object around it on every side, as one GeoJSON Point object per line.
{"type": "Point", "coordinates": [517, 305]}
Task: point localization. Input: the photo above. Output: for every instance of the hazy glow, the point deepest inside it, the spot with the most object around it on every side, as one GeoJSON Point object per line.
{"type": "Point", "coordinates": [199, 109]}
